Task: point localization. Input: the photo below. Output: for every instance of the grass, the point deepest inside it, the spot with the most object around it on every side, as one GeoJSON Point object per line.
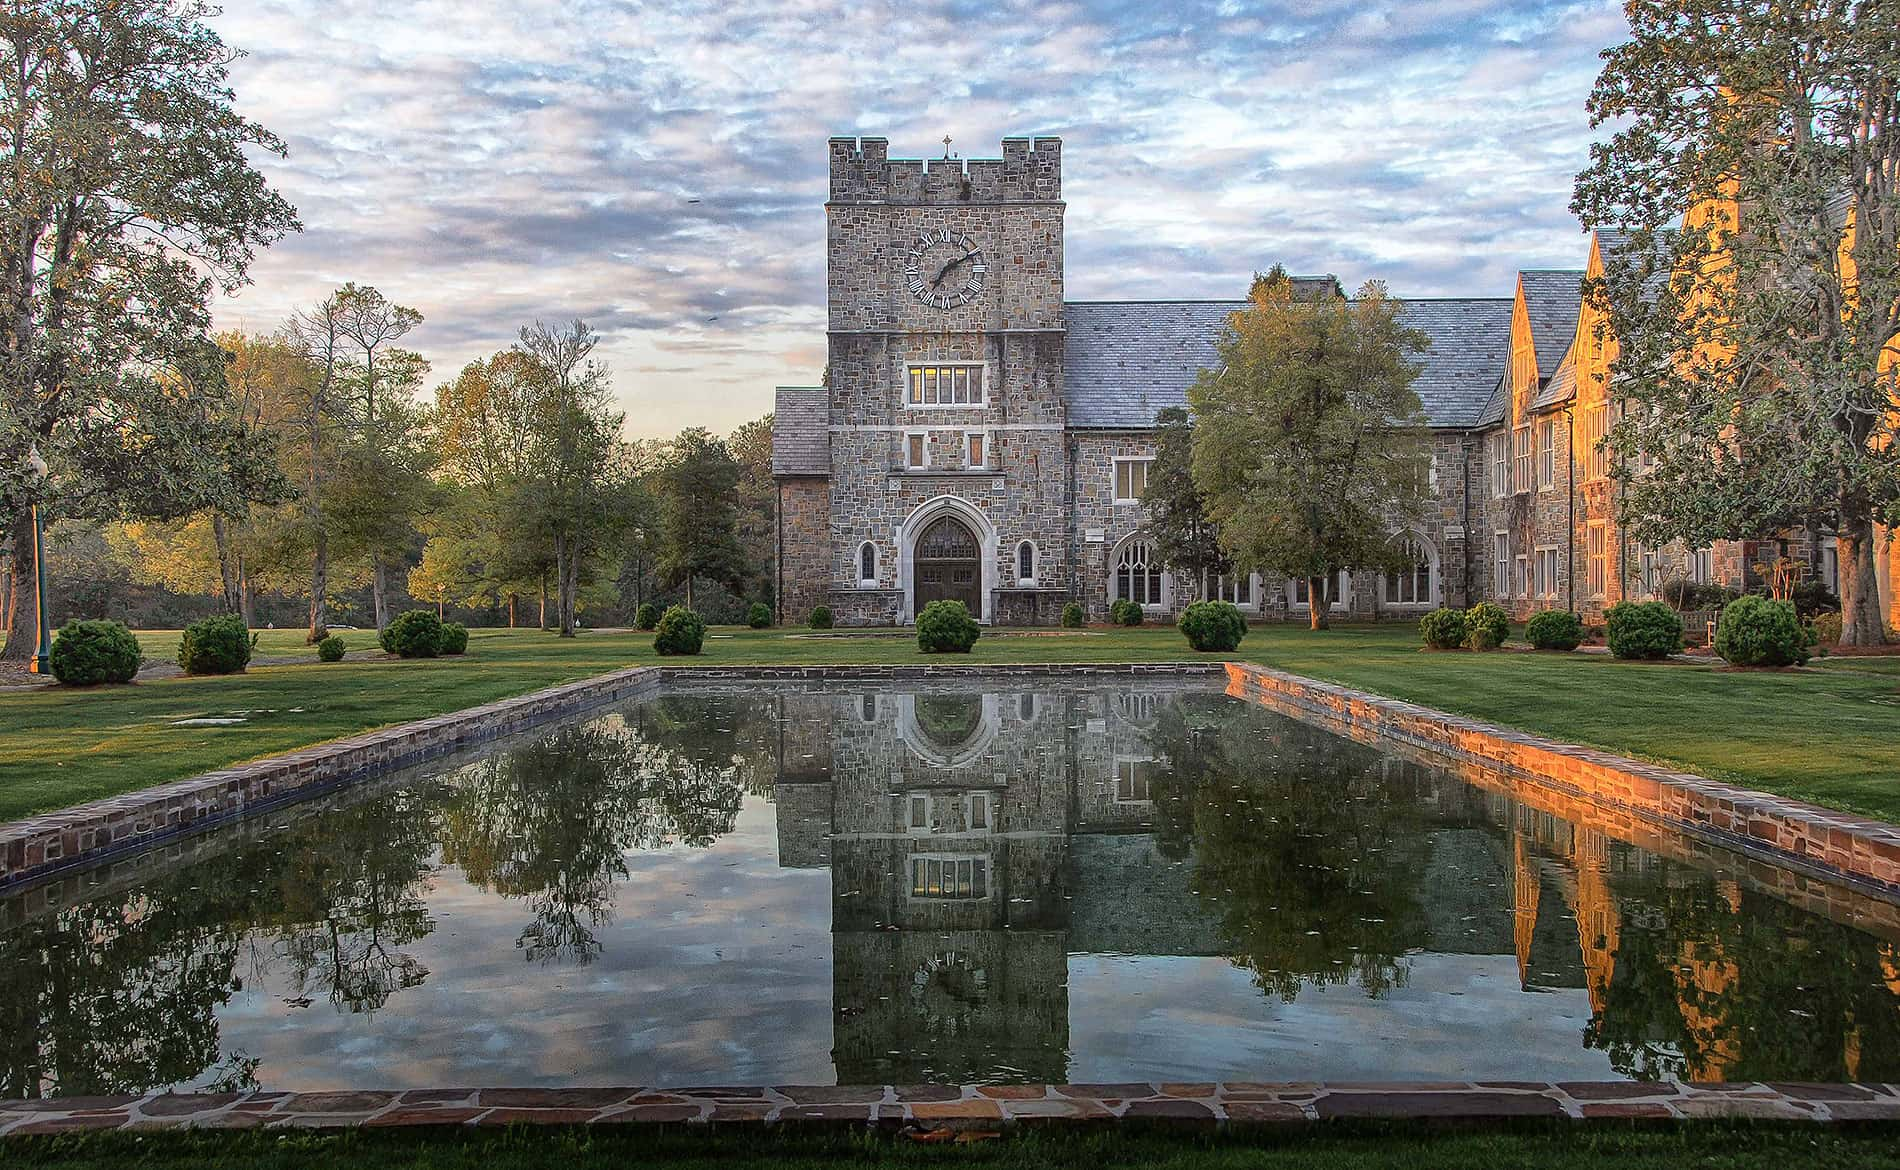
{"type": "Point", "coordinates": [1713, 1146]}
{"type": "Point", "coordinates": [1826, 735]}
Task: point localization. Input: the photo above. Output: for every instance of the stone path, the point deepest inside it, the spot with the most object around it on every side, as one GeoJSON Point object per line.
{"type": "Point", "coordinates": [966, 1106]}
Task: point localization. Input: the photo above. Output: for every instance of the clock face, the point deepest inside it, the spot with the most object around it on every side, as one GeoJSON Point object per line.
{"type": "Point", "coordinates": [945, 269]}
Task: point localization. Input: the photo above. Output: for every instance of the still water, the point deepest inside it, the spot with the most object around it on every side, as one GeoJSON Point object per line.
{"type": "Point", "coordinates": [1070, 883]}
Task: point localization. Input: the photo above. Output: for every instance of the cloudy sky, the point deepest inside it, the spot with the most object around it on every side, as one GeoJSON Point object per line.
{"type": "Point", "coordinates": [659, 169]}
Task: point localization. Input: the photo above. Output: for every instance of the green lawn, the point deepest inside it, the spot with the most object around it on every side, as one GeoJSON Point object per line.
{"type": "Point", "coordinates": [1334, 1147]}
{"type": "Point", "coordinates": [1830, 735]}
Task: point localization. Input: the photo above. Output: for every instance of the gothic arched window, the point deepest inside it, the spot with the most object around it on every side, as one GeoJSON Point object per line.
{"type": "Point", "coordinates": [867, 561]}
{"type": "Point", "coordinates": [1411, 586]}
{"type": "Point", "coordinates": [1025, 561]}
{"type": "Point", "coordinates": [1138, 573]}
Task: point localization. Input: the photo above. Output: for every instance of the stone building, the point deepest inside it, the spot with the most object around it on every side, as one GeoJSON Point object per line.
{"type": "Point", "coordinates": [981, 438]}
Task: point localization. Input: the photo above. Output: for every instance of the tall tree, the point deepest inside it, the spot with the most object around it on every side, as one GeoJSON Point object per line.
{"type": "Point", "coordinates": [127, 182]}
{"type": "Point", "coordinates": [1185, 538]}
{"type": "Point", "coordinates": [317, 409]}
{"type": "Point", "coordinates": [698, 514]}
{"type": "Point", "coordinates": [751, 446]}
{"type": "Point", "coordinates": [1756, 308]}
{"type": "Point", "coordinates": [1309, 442]}
{"type": "Point", "coordinates": [389, 458]}
{"type": "Point", "coordinates": [582, 462]}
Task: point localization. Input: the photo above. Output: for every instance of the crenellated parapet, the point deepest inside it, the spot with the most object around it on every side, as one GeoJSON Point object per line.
{"type": "Point", "coordinates": [1030, 171]}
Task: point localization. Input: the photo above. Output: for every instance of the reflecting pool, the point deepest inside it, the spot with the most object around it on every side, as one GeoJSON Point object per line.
{"type": "Point", "coordinates": [982, 882]}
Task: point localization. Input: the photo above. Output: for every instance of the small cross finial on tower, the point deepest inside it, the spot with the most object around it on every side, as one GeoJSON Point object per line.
{"type": "Point", "coordinates": [946, 146]}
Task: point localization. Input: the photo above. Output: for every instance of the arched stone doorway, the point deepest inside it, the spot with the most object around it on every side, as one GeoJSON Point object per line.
{"type": "Point", "coordinates": [949, 565]}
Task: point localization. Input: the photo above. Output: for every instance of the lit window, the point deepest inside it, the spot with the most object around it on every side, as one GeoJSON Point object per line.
{"type": "Point", "coordinates": [1026, 563]}
{"type": "Point", "coordinates": [946, 385]}
{"type": "Point", "coordinates": [1131, 480]}
{"type": "Point", "coordinates": [1594, 550]}
{"type": "Point", "coordinates": [973, 445]}
{"type": "Point", "coordinates": [949, 877]}
{"type": "Point", "coordinates": [916, 450]}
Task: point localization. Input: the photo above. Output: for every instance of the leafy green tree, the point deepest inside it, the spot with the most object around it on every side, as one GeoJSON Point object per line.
{"type": "Point", "coordinates": [1309, 442]}
{"type": "Point", "coordinates": [127, 181]}
{"type": "Point", "coordinates": [1184, 538]}
{"type": "Point", "coordinates": [751, 446]}
{"type": "Point", "coordinates": [699, 514]}
{"type": "Point", "coordinates": [1756, 305]}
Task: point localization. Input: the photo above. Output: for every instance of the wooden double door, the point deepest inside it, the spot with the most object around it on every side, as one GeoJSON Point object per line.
{"type": "Point", "coordinates": [949, 566]}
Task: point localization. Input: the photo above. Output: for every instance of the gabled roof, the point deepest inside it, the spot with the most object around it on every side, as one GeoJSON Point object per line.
{"type": "Point", "coordinates": [1562, 387]}
{"type": "Point", "coordinates": [1495, 404]}
{"type": "Point", "coordinates": [1552, 300]}
{"type": "Point", "coordinates": [801, 436]}
{"type": "Point", "coordinates": [1126, 361]}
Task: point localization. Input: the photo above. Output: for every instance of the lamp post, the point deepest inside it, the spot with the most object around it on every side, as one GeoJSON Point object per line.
{"type": "Point", "coordinates": [42, 647]}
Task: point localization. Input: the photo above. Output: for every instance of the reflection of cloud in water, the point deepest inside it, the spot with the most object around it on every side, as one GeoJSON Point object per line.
{"type": "Point", "coordinates": [716, 966]}
{"type": "Point", "coordinates": [1459, 1017]}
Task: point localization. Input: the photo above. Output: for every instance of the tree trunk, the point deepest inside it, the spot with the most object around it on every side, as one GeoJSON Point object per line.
{"type": "Point", "coordinates": [570, 548]}
{"type": "Point", "coordinates": [512, 598]}
{"type": "Point", "coordinates": [544, 600]}
{"type": "Point", "coordinates": [1317, 603]}
{"type": "Point", "coordinates": [23, 618]}
{"type": "Point", "coordinates": [228, 571]}
{"type": "Point", "coordinates": [379, 590]}
{"type": "Point", "coordinates": [319, 587]}
{"type": "Point", "coordinates": [689, 591]}
{"type": "Point", "coordinates": [1862, 623]}
{"type": "Point", "coordinates": [247, 597]}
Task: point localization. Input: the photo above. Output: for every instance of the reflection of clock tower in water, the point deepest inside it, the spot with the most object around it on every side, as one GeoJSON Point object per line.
{"type": "Point", "coordinates": [947, 456]}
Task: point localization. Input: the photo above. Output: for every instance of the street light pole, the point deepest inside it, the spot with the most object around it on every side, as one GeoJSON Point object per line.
{"type": "Point", "coordinates": [43, 645]}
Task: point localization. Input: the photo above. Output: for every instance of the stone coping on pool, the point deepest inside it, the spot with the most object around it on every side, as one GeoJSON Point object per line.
{"type": "Point", "coordinates": [44, 846]}
{"type": "Point", "coordinates": [932, 1107]}
{"type": "Point", "coordinates": [1833, 845]}
{"type": "Point", "coordinates": [1814, 840]}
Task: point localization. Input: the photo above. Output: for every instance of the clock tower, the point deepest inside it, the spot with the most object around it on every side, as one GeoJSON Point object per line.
{"type": "Point", "coordinates": [948, 464]}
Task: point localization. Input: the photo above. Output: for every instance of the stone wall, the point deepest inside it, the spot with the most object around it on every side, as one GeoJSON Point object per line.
{"type": "Point", "coordinates": [804, 547]}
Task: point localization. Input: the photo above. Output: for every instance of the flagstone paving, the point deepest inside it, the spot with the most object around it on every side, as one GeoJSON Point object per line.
{"type": "Point", "coordinates": [962, 1106]}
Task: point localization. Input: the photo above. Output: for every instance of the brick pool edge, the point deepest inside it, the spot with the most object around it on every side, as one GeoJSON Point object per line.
{"type": "Point", "coordinates": [932, 1107]}
{"type": "Point", "coordinates": [1858, 851]}
{"type": "Point", "coordinates": [1861, 852]}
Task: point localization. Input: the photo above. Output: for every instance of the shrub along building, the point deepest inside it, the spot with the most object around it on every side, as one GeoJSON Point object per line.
{"type": "Point", "coordinates": [982, 439]}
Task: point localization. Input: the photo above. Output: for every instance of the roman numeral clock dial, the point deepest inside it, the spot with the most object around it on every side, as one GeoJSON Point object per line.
{"type": "Point", "coordinates": [945, 269]}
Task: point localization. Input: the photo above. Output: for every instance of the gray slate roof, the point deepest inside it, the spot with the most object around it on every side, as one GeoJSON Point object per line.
{"type": "Point", "coordinates": [1126, 361]}
{"type": "Point", "coordinates": [1552, 298]}
{"type": "Point", "coordinates": [801, 436]}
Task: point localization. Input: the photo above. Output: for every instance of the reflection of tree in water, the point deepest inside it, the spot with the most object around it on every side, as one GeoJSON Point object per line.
{"type": "Point", "coordinates": [352, 899]}
{"type": "Point", "coordinates": [550, 822]}
{"type": "Point", "coordinates": [1308, 847]}
{"type": "Point", "coordinates": [120, 994]}
{"type": "Point", "coordinates": [1717, 983]}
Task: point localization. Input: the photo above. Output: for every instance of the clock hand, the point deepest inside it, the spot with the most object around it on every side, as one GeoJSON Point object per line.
{"type": "Point", "coordinates": [948, 265]}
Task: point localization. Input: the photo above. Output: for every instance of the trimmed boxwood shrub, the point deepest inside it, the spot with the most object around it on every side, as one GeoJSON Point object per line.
{"type": "Point", "coordinates": [647, 616]}
{"type": "Point", "coordinates": [414, 634]}
{"type": "Point", "coordinates": [1125, 612]}
{"type": "Point", "coordinates": [1755, 631]}
{"type": "Point", "coordinates": [820, 618]}
{"type": "Point", "coordinates": [759, 616]}
{"type": "Point", "coordinates": [330, 649]}
{"type": "Point", "coordinates": [1213, 625]}
{"type": "Point", "coordinates": [1443, 628]}
{"type": "Point", "coordinates": [454, 638]}
{"type": "Point", "coordinates": [1486, 626]}
{"type": "Point", "coordinates": [946, 627]}
{"type": "Point", "coordinates": [1642, 629]}
{"type": "Point", "coordinates": [87, 653]}
{"type": "Point", "coordinates": [1555, 629]}
{"type": "Point", "coordinates": [1072, 616]}
{"type": "Point", "coordinates": [215, 645]}
{"type": "Point", "coordinates": [680, 632]}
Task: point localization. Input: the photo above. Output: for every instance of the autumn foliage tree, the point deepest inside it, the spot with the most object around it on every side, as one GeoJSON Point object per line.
{"type": "Point", "coordinates": [1756, 301]}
